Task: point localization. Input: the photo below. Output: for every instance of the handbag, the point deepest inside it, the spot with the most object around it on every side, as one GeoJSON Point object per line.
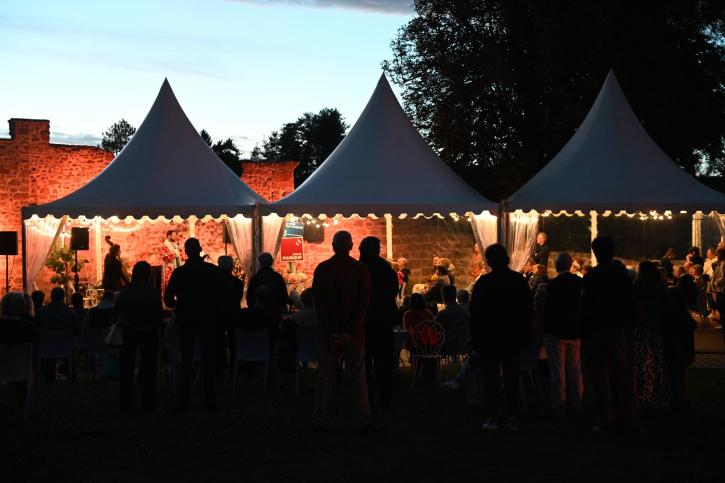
{"type": "Point", "coordinates": [114, 338]}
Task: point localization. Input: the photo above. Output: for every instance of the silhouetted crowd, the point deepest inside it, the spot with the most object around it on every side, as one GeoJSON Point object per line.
{"type": "Point", "coordinates": [617, 342]}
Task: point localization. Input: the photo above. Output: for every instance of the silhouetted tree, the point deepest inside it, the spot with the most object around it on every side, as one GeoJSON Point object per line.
{"type": "Point", "coordinates": [206, 137]}
{"type": "Point", "coordinates": [498, 87]}
{"type": "Point", "coordinates": [226, 150]}
{"type": "Point", "coordinates": [309, 140]}
{"type": "Point", "coordinates": [117, 136]}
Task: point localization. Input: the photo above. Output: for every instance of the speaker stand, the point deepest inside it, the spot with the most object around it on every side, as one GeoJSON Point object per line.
{"type": "Point", "coordinates": [76, 278]}
{"type": "Point", "coordinates": [7, 275]}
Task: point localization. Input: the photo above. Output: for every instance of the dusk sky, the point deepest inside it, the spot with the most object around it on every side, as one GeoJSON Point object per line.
{"type": "Point", "coordinates": [239, 68]}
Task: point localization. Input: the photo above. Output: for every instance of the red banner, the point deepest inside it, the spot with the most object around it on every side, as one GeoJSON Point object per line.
{"type": "Point", "coordinates": [291, 249]}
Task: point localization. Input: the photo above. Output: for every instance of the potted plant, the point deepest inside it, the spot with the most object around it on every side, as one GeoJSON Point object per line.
{"type": "Point", "coordinates": [61, 261]}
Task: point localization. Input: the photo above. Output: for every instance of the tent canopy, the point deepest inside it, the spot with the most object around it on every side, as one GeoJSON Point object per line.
{"type": "Point", "coordinates": [611, 163]}
{"type": "Point", "coordinates": [166, 169]}
{"type": "Point", "coordinates": [382, 166]}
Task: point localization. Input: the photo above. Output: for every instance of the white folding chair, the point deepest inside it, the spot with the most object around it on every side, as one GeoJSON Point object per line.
{"type": "Point", "coordinates": [16, 365]}
{"type": "Point", "coordinates": [95, 344]}
{"type": "Point", "coordinates": [428, 338]}
{"type": "Point", "coordinates": [252, 346]}
{"type": "Point", "coordinates": [56, 344]}
{"type": "Point", "coordinates": [308, 351]}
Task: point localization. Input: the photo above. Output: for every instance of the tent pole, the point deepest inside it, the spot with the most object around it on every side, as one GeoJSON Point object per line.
{"type": "Point", "coordinates": [697, 229]}
{"type": "Point", "coordinates": [388, 236]}
{"type": "Point", "coordinates": [97, 246]}
{"type": "Point", "coordinates": [503, 223]}
{"type": "Point", "coordinates": [256, 236]}
{"type": "Point", "coordinates": [594, 228]}
{"type": "Point", "coordinates": [24, 259]}
{"type": "Point", "coordinates": [192, 226]}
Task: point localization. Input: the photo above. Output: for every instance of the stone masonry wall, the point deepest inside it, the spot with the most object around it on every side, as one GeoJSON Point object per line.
{"type": "Point", "coordinates": [271, 180]}
{"type": "Point", "coordinates": [34, 171]}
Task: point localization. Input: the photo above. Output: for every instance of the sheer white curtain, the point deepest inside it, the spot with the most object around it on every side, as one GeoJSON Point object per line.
{"type": "Point", "coordinates": [272, 228]}
{"type": "Point", "coordinates": [485, 227]}
{"type": "Point", "coordinates": [40, 237]}
{"type": "Point", "coordinates": [522, 231]}
{"type": "Point", "coordinates": [240, 232]}
{"type": "Point", "coordinates": [720, 222]}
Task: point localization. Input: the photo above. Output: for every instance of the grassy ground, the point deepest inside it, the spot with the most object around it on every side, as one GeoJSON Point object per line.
{"type": "Point", "coordinates": [77, 435]}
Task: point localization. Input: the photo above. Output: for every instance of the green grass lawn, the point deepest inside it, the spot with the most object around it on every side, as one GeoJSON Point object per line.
{"type": "Point", "coordinates": [76, 434]}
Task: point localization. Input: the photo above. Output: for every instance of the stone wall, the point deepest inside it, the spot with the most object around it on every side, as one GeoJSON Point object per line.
{"type": "Point", "coordinates": [34, 171]}
{"type": "Point", "coordinates": [271, 180]}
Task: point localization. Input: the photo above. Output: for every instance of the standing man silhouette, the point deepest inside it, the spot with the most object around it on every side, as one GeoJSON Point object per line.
{"type": "Point", "coordinates": [195, 291]}
{"type": "Point", "coordinates": [341, 287]}
{"type": "Point", "coordinates": [381, 316]}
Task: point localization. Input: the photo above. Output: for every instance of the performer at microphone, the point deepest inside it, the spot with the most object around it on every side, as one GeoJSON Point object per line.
{"type": "Point", "coordinates": [170, 257]}
{"type": "Point", "coordinates": [115, 268]}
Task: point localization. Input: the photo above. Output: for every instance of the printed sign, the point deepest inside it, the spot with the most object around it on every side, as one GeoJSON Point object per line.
{"type": "Point", "coordinates": [291, 249]}
{"type": "Point", "coordinates": [293, 229]}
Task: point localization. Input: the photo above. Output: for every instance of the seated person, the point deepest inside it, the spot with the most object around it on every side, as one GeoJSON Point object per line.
{"type": "Point", "coordinates": [76, 301]}
{"type": "Point", "coordinates": [56, 315]}
{"type": "Point", "coordinates": [529, 268]}
{"type": "Point", "coordinates": [434, 294]}
{"type": "Point", "coordinates": [261, 316]}
{"type": "Point", "coordinates": [454, 320]}
{"type": "Point", "coordinates": [16, 320]}
{"type": "Point", "coordinates": [16, 327]}
{"type": "Point", "coordinates": [450, 268]}
{"type": "Point", "coordinates": [687, 285]}
{"type": "Point", "coordinates": [296, 283]}
{"type": "Point", "coordinates": [99, 317]}
{"type": "Point", "coordinates": [38, 298]}
{"type": "Point", "coordinates": [538, 277]}
{"type": "Point", "coordinates": [403, 271]}
{"type": "Point", "coordinates": [305, 318]}
{"type": "Point", "coordinates": [693, 256]}
{"type": "Point", "coordinates": [416, 313]}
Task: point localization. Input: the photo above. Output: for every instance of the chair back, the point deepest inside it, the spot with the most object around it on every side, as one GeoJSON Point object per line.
{"type": "Point", "coordinates": [95, 342]}
{"type": "Point", "coordinates": [252, 345]}
{"type": "Point", "coordinates": [99, 318]}
{"type": "Point", "coordinates": [308, 345]}
{"type": "Point", "coordinates": [16, 362]}
{"type": "Point", "coordinates": [427, 338]}
{"type": "Point", "coordinates": [55, 344]}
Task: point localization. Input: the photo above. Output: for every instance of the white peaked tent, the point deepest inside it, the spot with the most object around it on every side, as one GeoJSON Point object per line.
{"type": "Point", "coordinates": [165, 171]}
{"type": "Point", "coordinates": [610, 165]}
{"type": "Point", "coordinates": [384, 167]}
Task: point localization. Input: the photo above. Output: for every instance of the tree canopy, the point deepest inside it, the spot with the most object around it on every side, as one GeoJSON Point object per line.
{"type": "Point", "coordinates": [226, 150]}
{"type": "Point", "coordinates": [117, 136]}
{"type": "Point", "coordinates": [309, 140]}
{"type": "Point", "coordinates": [497, 87]}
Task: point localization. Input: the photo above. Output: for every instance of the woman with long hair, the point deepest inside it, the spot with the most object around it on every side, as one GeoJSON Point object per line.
{"type": "Point", "coordinates": [115, 274]}
{"type": "Point", "coordinates": [651, 384]}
